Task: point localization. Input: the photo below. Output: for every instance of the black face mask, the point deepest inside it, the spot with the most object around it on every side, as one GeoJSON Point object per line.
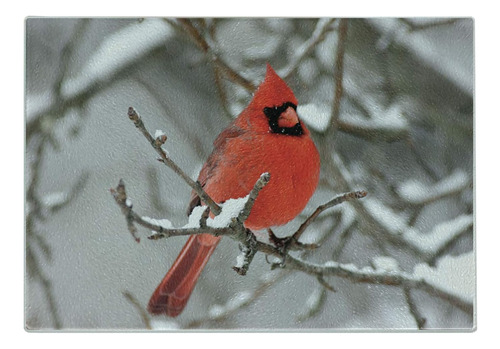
{"type": "Point", "coordinates": [273, 113]}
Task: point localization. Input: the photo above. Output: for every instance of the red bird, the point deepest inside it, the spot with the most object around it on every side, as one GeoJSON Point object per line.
{"type": "Point", "coordinates": [267, 136]}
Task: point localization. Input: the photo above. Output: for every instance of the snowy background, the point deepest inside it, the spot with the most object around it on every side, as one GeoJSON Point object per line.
{"type": "Point", "coordinates": [404, 134]}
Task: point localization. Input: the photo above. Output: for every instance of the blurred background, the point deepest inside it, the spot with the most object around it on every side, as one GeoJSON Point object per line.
{"type": "Point", "coordinates": [389, 103]}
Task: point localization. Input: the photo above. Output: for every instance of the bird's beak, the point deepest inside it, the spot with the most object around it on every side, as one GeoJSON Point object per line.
{"type": "Point", "coordinates": [288, 118]}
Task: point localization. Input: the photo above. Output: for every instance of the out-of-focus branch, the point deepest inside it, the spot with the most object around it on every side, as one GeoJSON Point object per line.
{"type": "Point", "coordinates": [432, 259]}
{"type": "Point", "coordinates": [414, 311]}
{"type": "Point", "coordinates": [323, 26]}
{"type": "Point", "coordinates": [142, 312]}
{"type": "Point", "coordinates": [343, 182]}
{"type": "Point", "coordinates": [235, 229]}
{"type": "Point", "coordinates": [154, 190]}
{"type": "Point", "coordinates": [268, 280]}
{"type": "Point", "coordinates": [224, 67]}
{"type": "Point", "coordinates": [338, 74]}
{"type": "Point", "coordinates": [385, 135]}
{"type": "Point", "coordinates": [220, 313]}
{"type": "Point", "coordinates": [36, 272]}
{"type": "Point", "coordinates": [374, 277]}
{"type": "Point", "coordinates": [412, 26]}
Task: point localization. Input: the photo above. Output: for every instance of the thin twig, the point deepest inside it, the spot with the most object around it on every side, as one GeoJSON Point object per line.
{"type": "Point", "coordinates": [323, 26]}
{"type": "Point", "coordinates": [203, 44]}
{"type": "Point", "coordinates": [332, 269]}
{"type": "Point", "coordinates": [120, 196]}
{"type": "Point", "coordinates": [36, 273]}
{"type": "Point", "coordinates": [338, 74]}
{"type": "Point", "coordinates": [259, 185]}
{"type": "Point", "coordinates": [432, 259]}
{"type": "Point", "coordinates": [336, 201]}
{"type": "Point", "coordinates": [171, 164]}
{"type": "Point", "coordinates": [414, 311]}
{"type": "Point", "coordinates": [144, 316]}
{"type": "Point", "coordinates": [412, 27]}
{"type": "Point", "coordinates": [389, 279]}
{"type": "Point", "coordinates": [261, 288]}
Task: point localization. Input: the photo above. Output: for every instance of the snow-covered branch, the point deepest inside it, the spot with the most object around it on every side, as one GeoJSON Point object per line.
{"type": "Point", "coordinates": [446, 282]}
{"type": "Point", "coordinates": [157, 143]}
{"type": "Point", "coordinates": [230, 222]}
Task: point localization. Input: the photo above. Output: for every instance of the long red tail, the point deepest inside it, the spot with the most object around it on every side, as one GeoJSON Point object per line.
{"type": "Point", "coordinates": [172, 294]}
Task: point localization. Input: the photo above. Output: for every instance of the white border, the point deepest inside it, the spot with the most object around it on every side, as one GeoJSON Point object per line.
{"type": "Point", "coordinates": [12, 136]}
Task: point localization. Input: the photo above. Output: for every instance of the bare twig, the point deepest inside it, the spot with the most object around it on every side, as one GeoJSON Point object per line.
{"type": "Point", "coordinates": [432, 259]}
{"type": "Point", "coordinates": [261, 183]}
{"type": "Point", "coordinates": [339, 74]}
{"type": "Point", "coordinates": [36, 272]}
{"type": "Point", "coordinates": [415, 312]}
{"type": "Point", "coordinates": [140, 309]}
{"type": "Point", "coordinates": [383, 278]}
{"type": "Point", "coordinates": [412, 27]}
{"type": "Point", "coordinates": [230, 309]}
{"type": "Point", "coordinates": [171, 164]}
{"type": "Point", "coordinates": [237, 231]}
{"type": "Point", "coordinates": [120, 196]}
{"type": "Point", "coordinates": [319, 271]}
{"type": "Point", "coordinates": [336, 201]}
{"type": "Point", "coordinates": [323, 26]}
{"type": "Point", "coordinates": [203, 44]}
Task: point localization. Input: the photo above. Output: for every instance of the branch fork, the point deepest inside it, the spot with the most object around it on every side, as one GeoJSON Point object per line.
{"type": "Point", "coordinates": [249, 245]}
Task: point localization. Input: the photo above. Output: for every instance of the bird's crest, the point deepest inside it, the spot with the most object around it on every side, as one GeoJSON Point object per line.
{"type": "Point", "coordinates": [273, 91]}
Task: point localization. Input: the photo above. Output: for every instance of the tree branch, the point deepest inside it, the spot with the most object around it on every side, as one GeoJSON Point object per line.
{"type": "Point", "coordinates": [203, 44]}
{"type": "Point", "coordinates": [235, 229]}
{"type": "Point", "coordinates": [323, 26]}
{"type": "Point", "coordinates": [415, 312]}
{"type": "Point", "coordinates": [157, 143]}
{"type": "Point", "coordinates": [336, 201]}
{"type": "Point", "coordinates": [339, 74]}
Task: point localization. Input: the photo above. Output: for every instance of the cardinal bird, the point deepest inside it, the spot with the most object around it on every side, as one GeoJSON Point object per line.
{"type": "Point", "coordinates": [267, 136]}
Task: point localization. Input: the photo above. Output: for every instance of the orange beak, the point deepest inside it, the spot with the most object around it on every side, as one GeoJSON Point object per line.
{"type": "Point", "coordinates": [288, 118]}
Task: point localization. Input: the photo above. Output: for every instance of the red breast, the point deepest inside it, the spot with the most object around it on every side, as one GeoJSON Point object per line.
{"type": "Point", "coordinates": [251, 146]}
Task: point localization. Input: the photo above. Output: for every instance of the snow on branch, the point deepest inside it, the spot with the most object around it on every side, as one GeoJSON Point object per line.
{"type": "Point", "coordinates": [118, 50]}
{"type": "Point", "coordinates": [427, 244]}
{"type": "Point", "coordinates": [157, 143]}
{"type": "Point", "coordinates": [389, 125]}
{"type": "Point", "coordinates": [451, 281]}
{"type": "Point", "coordinates": [417, 193]}
{"type": "Point", "coordinates": [453, 275]}
{"type": "Point", "coordinates": [230, 222]}
{"type": "Point", "coordinates": [440, 235]}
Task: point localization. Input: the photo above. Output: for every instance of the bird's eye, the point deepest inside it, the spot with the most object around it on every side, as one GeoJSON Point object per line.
{"type": "Point", "coordinates": [275, 111]}
{"type": "Point", "coordinates": [271, 112]}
